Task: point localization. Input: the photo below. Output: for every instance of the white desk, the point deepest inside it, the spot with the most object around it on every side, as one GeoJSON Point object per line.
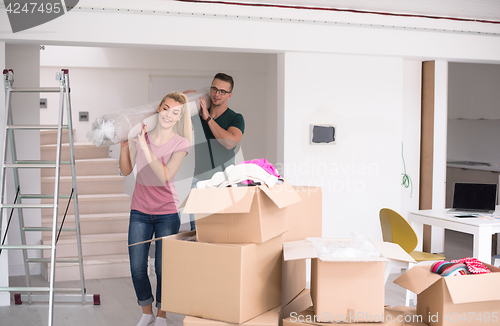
{"type": "Point", "coordinates": [481, 229]}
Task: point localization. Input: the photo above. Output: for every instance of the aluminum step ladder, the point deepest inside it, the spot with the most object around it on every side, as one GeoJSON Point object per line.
{"type": "Point", "coordinates": [42, 294]}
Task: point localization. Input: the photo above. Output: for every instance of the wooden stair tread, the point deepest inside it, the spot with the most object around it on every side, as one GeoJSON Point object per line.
{"type": "Point", "coordinates": [102, 196]}
{"type": "Point", "coordinates": [90, 238]}
{"type": "Point", "coordinates": [86, 178]}
{"type": "Point", "coordinates": [100, 260]}
{"type": "Point", "coordinates": [92, 217]}
{"type": "Point", "coordinates": [75, 144]}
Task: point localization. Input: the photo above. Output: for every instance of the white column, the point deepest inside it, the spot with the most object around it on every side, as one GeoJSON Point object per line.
{"type": "Point", "coordinates": [440, 135]}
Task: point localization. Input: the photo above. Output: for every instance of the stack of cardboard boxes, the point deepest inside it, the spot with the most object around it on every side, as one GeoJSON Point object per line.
{"type": "Point", "coordinates": [246, 264]}
{"type": "Point", "coordinates": [231, 269]}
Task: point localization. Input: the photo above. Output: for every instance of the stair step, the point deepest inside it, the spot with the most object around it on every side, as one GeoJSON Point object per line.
{"type": "Point", "coordinates": [94, 267]}
{"type": "Point", "coordinates": [50, 136]}
{"type": "Point", "coordinates": [103, 184]}
{"type": "Point", "coordinates": [93, 204]}
{"type": "Point", "coordinates": [96, 166]}
{"type": "Point", "coordinates": [95, 223]}
{"type": "Point", "coordinates": [83, 150]}
{"type": "Point", "coordinates": [92, 244]}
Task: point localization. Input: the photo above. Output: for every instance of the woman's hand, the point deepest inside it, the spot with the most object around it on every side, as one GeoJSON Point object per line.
{"type": "Point", "coordinates": [141, 139]}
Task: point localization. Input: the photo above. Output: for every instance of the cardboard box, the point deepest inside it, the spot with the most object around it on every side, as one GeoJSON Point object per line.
{"type": "Point", "coordinates": [305, 217]}
{"type": "Point", "coordinates": [308, 317]}
{"type": "Point", "coordinates": [227, 282]}
{"type": "Point", "coordinates": [304, 220]}
{"type": "Point", "coordinates": [343, 287]}
{"type": "Point", "coordinates": [293, 279]}
{"type": "Point", "coordinates": [241, 214]}
{"type": "Point", "coordinates": [301, 302]}
{"type": "Point", "coordinates": [457, 300]}
{"type": "Point", "coordinates": [270, 318]}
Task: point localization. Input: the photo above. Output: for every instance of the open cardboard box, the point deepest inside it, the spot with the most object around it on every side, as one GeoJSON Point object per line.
{"type": "Point", "coordinates": [241, 214]}
{"type": "Point", "coordinates": [269, 318]}
{"type": "Point", "coordinates": [226, 282]}
{"type": "Point", "coordinates": [456, 300]}
{"type": "Point", "coordinates": [345, 287]}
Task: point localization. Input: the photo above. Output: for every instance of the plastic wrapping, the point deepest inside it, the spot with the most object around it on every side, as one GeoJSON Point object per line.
{"type": "Point", "coordinates": [360, 247]}
{"type": "Point", "coordinates": [113, 128]}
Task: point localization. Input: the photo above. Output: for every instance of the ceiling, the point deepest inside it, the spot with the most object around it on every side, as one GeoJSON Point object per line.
{"type": "Point", "coordinates": [482, 10]}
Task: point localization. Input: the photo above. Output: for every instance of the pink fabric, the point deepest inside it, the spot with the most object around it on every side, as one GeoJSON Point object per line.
{"type": "Point", "coordinates": [473, 265]}
{"type": "Point", "coordinates": [152, 196]}
{"type": "Point", "coordinates": [263, 163]}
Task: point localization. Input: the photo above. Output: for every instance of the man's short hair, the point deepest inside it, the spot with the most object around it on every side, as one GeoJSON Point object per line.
{"type": "Point", "coordinates": [224, 77]}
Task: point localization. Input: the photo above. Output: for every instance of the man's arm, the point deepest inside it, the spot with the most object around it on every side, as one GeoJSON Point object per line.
{"type": "Point", "coordinates": [228, 138]}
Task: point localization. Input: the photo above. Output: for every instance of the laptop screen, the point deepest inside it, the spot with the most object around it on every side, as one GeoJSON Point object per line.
{"type": "Point", "coordinates": [472, 196]}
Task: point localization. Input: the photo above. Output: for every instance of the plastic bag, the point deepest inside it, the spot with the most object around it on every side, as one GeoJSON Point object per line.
{"type": "Point", "coordinates": [360, 247]}
{"type": "Point", "coordinates": [113, 128]}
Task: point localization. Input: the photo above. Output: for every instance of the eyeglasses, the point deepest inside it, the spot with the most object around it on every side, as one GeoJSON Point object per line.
{"type": "Point", "coordinates": [215, 90]}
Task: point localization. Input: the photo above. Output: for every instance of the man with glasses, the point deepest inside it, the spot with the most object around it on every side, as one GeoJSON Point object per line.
{"type": "Point", "coordinates": [221, 127]}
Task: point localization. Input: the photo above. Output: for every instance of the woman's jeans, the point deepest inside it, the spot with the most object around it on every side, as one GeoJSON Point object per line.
{"type": "Point", "coordinates": [141, 228]}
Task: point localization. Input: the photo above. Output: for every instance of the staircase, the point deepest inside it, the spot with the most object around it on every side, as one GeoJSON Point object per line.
{"type": "Point", "coordinates": [104, 211]}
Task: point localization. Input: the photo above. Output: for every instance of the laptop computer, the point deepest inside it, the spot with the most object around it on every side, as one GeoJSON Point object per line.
{"type": "Point", "coordinates": [471, 198]}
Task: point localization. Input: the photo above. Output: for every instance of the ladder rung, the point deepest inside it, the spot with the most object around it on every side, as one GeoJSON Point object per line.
{"type": "Point", "coordinates": [38, 289]}
{"type": "Point", "coordinates": [25, 288]}
{"type": "Point", "coordinates": [36, 127]}
{"type": "Point", "coordinates": [31, 196]}
{"type": "Point", "coordinates": [36, 90]}
{"type": "Point", "coordinates": [38, 228]}
{"type": "Point", "coordinates": [30, 166]}
{"type": "Point", "coordinates": [27, 205]}
{"type": "Point", "coordinates": [47, 260]}
{"type": "Point", "coordinates": [41, 247]}
{"type": "Point", "coordinates": [43, 162]}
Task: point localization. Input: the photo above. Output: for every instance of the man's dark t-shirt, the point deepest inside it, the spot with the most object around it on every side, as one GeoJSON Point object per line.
{"type": "Point", "coordinates": [210, 155]}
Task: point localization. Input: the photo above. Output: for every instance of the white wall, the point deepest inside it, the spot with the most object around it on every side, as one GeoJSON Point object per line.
{"type": "Point", "coordinates": [412, 96]}
{"type": "Point", "coordinates": [361, 173]}
{"type": "Point", "coordinates": [25, 61]}
{"type": "Point", "coordinates": [474, 112]}
{"type": "Point", "coordinates": [218, 27]}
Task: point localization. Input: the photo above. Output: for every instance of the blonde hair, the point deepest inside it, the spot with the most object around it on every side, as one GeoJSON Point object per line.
{"type": "Point", "coordinates": [183, 127]}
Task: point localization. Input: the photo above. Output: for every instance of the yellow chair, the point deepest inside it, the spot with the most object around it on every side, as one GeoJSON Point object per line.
{"type": "Point", "coordinates": [396, 229]}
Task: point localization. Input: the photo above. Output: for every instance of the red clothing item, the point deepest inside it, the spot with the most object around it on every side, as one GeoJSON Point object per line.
{"type": "Point", "coordinates": [151, 195]}
{"type": "Point", "coordinates": [473, 265]}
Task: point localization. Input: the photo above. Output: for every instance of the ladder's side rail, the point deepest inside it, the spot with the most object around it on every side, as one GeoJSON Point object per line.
{"type": "Point", "coordinates": [56, 207]}
{"type": "Point", "coordinates": [65, 75]}
{"type": "Point", "coordinates": [3, 178]}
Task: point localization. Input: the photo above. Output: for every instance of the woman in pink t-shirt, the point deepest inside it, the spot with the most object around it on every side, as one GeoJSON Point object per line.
{"type": "Point", "coordinates": [154, 208]}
